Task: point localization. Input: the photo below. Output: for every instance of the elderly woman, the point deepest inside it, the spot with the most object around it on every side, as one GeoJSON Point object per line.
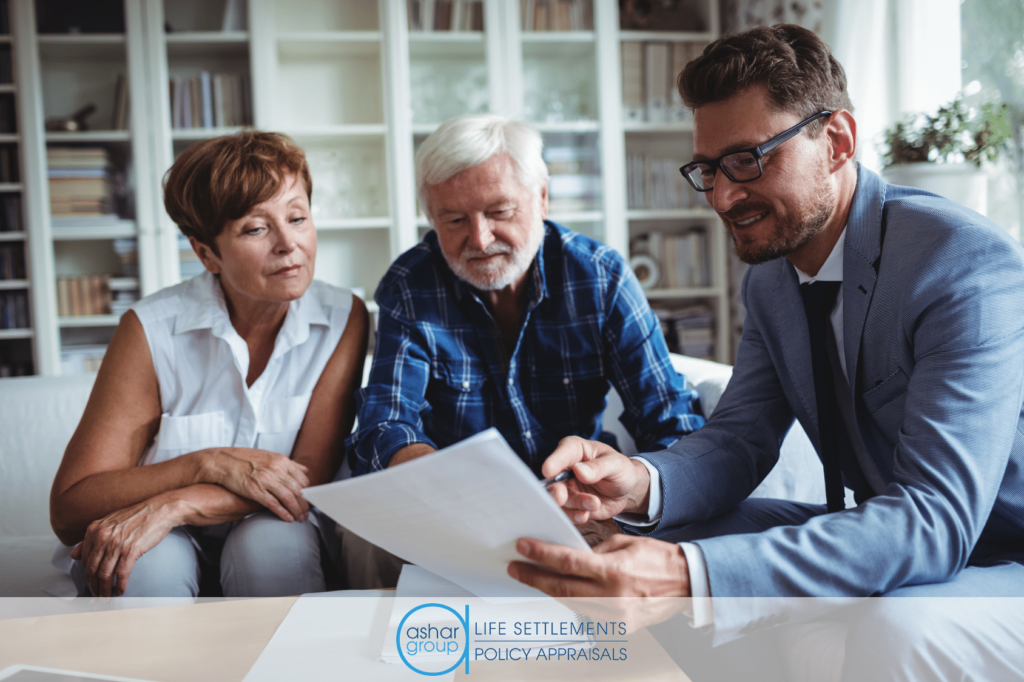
{"type": "Point", "coordinates": [219, 398]}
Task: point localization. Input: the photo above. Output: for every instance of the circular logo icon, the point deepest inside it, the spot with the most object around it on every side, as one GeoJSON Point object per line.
{"type": "Point", "coordinates": [433, 642]}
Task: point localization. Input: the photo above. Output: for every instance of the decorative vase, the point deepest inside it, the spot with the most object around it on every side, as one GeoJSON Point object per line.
{"type": "Point", "coordinates": [963, 183]}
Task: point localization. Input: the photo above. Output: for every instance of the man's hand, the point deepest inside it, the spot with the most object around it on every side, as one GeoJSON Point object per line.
{"type": "Point", "coordinates": [114, 543]}
{"type": "Point", "coordinates": [606, 482]}
{"type": "Point", "coordinates": [627, 578]}
{"type": "Point", "coordinates": [268, 478]}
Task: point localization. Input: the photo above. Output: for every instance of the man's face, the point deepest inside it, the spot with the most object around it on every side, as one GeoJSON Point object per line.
{"type": "Point", "coordinates": [791, 202]}
{"type": "Point", "coordinates": [488, 224]}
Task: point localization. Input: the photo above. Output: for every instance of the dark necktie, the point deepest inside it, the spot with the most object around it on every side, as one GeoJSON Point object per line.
{"type": "Point", "coordinates": [819, 299]}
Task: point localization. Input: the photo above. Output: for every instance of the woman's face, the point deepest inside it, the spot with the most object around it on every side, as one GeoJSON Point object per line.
{"type": "Point", "coordinates": [267, 255]}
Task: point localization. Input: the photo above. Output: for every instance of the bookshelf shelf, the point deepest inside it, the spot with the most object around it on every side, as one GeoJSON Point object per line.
{"type": "Point", "coordinates": [5, 39]}
{"type": "Point", "coordinates": [196, 134]}
{"type": "Point", "coordinates": [558, 37]}
{"type": "Point", "coordinates": [8, 87]}
{"type": "Point", "coordinates": [89, 233]}
{"type": "Point", "coordinates": [80, 321]}
{"type": "Point", "coordinates": [446, 38]}
{"type": "Point", "coordinates": [325, 44]}
{"type": "Point", "coordinates": [567, 126]}
{"type": "Point", "coordinates": [207, 37]}
{"type": "Point", "coordinates": [12, 236]}
{"type": "Point", "coordinates": [7, 138]}
{"type": "Point", "coordinates": [10, 186]}
{"type": "Point", "coordinates": [13, 284]}
{"type": "Point", "coordinates": [667, 36]}
{"type": "Point", "coordinates": [640, 127]}
{"type": "Point", "coordinates": [11, 334]}
{"type": "Point", "coordinates": [674, 214]}
{"type": "Point", "coordinates": [93, 136]}
{"type": "Point", "coordinates": [332, 225]}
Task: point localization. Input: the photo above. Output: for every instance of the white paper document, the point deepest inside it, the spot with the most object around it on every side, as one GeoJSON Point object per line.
{"type": "Point", "coordinates": [457, 513]}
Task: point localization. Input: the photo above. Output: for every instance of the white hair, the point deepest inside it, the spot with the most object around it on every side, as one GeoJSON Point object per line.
{"type": "Point", "coordinates": [467, 141]}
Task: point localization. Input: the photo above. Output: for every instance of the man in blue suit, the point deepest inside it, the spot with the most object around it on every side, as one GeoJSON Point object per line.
{"type": "Point", "coordinates": [890, 323]}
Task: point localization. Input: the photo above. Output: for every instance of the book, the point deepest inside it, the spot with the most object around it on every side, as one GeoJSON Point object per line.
{"type": "Point", "coordinates": [633, 104]}
{"type": "Point", "coordinates": [119, 120]}
{"type": "Point", "coordinates": [656, 81]}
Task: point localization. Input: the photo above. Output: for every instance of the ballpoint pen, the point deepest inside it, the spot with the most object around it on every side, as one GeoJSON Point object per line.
{"type": "Point", "coordinates": [564, 476]}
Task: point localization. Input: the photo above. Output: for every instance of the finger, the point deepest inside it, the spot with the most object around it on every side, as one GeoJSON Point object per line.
{"type": "Point", "coordinates": [272, 504]}
{"type": "Point", "coordinates": [105, 572]}
{"type": "Point", "coordinates": [614, 543]}
{"type": "Point", "coordinates": [564, 560]}
{"type": "Point", "coordinates": [76, 552]}
{"type": "Point", "coordinates": [559, 492]}
{"type": "Point", "coordinates": [570, 451]}
{"type": "Point", "coordinates": [124, 569]}
{"type": "Point", "coordinates": [552, 583]}
{"type": "Point", "coordinates": [288, 499]}
{"type": "Point", "coordinates": [609, 465]}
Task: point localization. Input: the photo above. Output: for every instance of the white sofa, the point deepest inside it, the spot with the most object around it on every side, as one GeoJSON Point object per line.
{"type": "Point", "coordinates": [39, 414]}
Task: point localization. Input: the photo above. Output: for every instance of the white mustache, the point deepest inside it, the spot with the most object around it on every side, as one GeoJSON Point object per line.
{"type": "Point", "coordinates": [492, 250]}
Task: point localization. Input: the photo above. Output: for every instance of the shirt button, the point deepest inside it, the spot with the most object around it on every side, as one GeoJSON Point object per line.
{"type": "Point", "coordinates": [527, 435]}
{"type": "Point", "coordinates": [565, 381]}
{"type": "Point", "coordinates": [511, 381]}
{"type": "Point", "coordinates": [465, 384]}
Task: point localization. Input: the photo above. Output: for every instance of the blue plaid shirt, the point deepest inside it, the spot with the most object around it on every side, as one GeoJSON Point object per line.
{"type": "Point", "coordinates": [442, 373]}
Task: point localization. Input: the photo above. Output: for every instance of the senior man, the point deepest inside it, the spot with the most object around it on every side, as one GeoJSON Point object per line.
{"type": "Point", "coordinates": [501, 318]}
{"type": "Point", "coordinates": [890, 323]}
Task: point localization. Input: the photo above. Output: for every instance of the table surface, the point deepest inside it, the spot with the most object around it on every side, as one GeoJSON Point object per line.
{"type": "Point", "coordinates": [220, 641]}
{"type": "Point", "coordinates": [223, 640]}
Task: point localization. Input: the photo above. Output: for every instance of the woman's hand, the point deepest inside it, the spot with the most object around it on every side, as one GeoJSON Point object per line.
{"type": "Point", "coordinates": [268, 478]}
{"type": "Point", "coordinates": [114, 543]}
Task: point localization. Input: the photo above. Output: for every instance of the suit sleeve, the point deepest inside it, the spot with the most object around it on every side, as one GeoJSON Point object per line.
{"type": "Point", "coordinates": [955, 426]}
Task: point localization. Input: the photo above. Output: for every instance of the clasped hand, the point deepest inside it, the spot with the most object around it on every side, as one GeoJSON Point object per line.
{"type": "Point", "coordinates": [268, 478]}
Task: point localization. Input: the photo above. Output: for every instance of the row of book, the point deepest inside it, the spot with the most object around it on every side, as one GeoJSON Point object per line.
{"type": "Point", "coordinates": [649, 72]}
{"type": "Point", "coordinates": [9, 164]}
{"type": "Point", "coordinates": [654, 183]}
{"type": "Point", "coordinates": [127, 251]}
{"type": "Point", "coordinates": [681, 259]}
{"type": "Point", "coordinates": [557, 15]}
{"type": "Point", "coordinates": [8, 120]}
{"type": "Point", "coordinates": [210, 100]}
{"type": "Point", "coordinates": [12, 261]}
{"type": "Point", "coordinates": [10, 213]}
{"type": "Point", "coordinates": [14, 368]}
{"type": "Point", "coordinates": [95, 295]}
{"type": "Point", "coordinates": [14, 310]}
{"type": "Point", "coordinates": [446, 15]}
{"type": "Point", "coordinates": [5, 22]}
{"type": "Point", "coordinates": [80, 181]}
{"type": "Point", "coordinates": [689, 330]}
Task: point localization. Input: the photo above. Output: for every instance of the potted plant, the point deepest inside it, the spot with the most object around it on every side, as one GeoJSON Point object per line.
{"type": "Point", "coordinates": [943, 153]}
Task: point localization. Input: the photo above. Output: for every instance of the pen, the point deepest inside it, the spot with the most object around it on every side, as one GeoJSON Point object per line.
{"type": "Point", "coordinates": [564, 476]}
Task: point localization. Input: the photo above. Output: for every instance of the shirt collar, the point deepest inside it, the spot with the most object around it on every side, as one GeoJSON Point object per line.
{"type": "Point", "coordinates": [832, 269]}
{"type": "Point", "coordinates": [204, 307]}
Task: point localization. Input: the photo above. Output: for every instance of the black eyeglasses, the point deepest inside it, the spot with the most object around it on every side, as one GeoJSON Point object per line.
{"type": "Point", "coordinates": [741, 166]}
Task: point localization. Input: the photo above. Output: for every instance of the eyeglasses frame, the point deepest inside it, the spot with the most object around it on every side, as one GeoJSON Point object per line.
{"type": "Point", "coordinates": [756, 152]}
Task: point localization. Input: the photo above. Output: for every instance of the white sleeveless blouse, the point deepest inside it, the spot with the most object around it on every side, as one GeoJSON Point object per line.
{"type": "Point", "coordinates": [201, 363]}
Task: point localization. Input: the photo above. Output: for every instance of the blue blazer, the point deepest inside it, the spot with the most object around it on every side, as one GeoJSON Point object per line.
{"type": "Point", "coordinates": [933, 321]}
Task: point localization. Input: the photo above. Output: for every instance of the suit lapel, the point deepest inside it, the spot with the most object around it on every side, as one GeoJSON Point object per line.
{"type": "Point", "coordinates": [791, 328]}
{"type": "Point", "coordinates": [863, 246]}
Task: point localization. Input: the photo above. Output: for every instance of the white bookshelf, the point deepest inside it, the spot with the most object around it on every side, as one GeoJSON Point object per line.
{"type": "Point", "coordinates": [358, 90]}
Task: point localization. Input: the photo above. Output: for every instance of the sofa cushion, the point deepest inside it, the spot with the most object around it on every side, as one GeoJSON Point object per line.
{"type": "Point", "coordinates": [25, 569]}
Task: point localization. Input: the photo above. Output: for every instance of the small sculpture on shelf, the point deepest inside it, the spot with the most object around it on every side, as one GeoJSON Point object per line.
{"type": "Point", "coordinates": [76, 122]}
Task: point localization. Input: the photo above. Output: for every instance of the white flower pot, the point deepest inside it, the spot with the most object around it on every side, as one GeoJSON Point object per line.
{"type": "Point", "coordinates": [963, 183]}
